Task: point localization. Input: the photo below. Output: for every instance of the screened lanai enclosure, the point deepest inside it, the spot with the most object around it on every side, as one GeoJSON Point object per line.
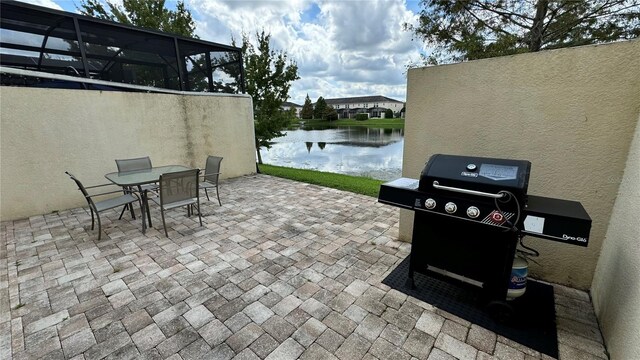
{"type": "Point", "coordinates": [49, 47]}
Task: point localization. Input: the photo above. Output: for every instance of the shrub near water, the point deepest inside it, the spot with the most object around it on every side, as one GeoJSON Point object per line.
{"type": "Point", "coordinates": [361, 117]}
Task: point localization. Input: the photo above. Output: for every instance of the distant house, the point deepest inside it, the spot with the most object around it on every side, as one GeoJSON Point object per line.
{"type": "Point", "coordinates": [375, 106]}
{"type": "Point", "coordinates": [288, 105]}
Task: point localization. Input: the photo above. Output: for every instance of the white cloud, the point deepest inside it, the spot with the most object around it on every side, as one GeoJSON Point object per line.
{"type": "Point", "coordinates": [46, 3]}
{"type": "Point", "coordinates": [342, 48]}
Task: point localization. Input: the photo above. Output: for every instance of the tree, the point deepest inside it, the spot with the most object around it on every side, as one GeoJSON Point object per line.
{"type": "Point", "coordinates": [320, 109]}
{"type": "Point", "coordinates": [307, 109]}
{"type": "Point", "coordinates": [388, 114]}
{"type": "Point", "coordinates": [292, 113]}
{"type": "Point", "coordinates": [268, 78]}
{"type": "Point", "coordinates": [475, 29]}
{"type": "Point", "coordinates": [150, 14]}
{"type": "Point", "coordinates": [330, 113]}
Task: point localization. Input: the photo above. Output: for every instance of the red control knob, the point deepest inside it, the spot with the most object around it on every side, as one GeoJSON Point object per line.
{"type": "Point", "coordinates": [497, 217]}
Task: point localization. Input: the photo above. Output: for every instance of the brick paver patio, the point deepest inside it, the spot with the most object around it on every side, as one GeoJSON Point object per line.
{"type": "Point", "coordinates": [283, 270]}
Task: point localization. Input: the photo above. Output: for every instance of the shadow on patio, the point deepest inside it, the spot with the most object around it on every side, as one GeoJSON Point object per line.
{"type": "Point", "coordinates": [282, 270]}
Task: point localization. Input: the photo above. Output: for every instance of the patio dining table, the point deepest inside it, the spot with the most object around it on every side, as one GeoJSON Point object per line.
{"type": "Point", "coordinates": [142, 177]}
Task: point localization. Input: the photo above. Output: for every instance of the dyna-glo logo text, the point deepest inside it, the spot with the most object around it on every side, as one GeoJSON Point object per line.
{"type": "Point", "coordinates": [573, 238]}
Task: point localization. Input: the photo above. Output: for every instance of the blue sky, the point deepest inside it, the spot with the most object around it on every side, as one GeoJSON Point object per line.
{"type": "Point", "coordinates": [342, 48]}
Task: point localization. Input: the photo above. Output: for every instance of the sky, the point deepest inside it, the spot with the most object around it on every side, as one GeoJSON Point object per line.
{"type": "Point", "coordinates": [342, 48]}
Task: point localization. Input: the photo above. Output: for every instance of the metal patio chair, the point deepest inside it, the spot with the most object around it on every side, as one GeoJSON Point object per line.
{"type": "Point", "coordinates": [141, 163]}
{"type": "Point", "coordinates": [178, 189]}
{"type": "Point", "coordinates": [99, 206]}
{"type": "Point", "coordinates": [211, 176]}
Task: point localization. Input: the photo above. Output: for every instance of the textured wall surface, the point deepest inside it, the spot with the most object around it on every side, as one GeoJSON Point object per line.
{"type": "Point", "coordinates": [571, 112]}
{"type": "Point", "coordinates": [45, 132]}
{"type": "Point", "coordinates": [616, 284]}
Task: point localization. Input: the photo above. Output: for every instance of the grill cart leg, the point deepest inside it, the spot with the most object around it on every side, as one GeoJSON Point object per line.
{"type": "Point", "coordinates": [501, 311]}
{"type": "Point", "coordinates": [410, 283]}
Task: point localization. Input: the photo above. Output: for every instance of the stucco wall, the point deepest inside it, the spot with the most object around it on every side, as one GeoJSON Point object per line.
{"type": "Point", "coordinates": [571, 112]}
{"type": "Point", "coordinates": [45, 132]}
{"type": "Point", "coordinates": [616, 284]}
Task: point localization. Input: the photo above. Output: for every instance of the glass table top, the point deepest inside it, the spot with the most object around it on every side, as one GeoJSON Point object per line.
{"type": "Point", "coordinates": [141, 177]}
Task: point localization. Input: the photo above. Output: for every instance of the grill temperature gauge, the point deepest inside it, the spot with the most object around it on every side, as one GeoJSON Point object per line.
{"type": "Point", "coordinates": [429, 203]}
{"type": "Point", "coordinates": [473, 212]}
{"type": "Point", "coordinates": [450, 207]}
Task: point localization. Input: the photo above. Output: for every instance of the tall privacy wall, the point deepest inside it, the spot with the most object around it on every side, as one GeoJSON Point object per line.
{"type": "Point", "coordinates": [45, 132]}
{"type": "Point", "coordinates": [571, 112]}
{"type": "Point", "coordinates": [616, 289]}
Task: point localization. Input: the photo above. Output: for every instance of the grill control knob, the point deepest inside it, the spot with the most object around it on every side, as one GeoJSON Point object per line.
{"type": "Point", "coordinates": [450, 207]}
{"type": "Point", "coordinates": [473, 212]}
{"type": "Point", "coordinates": [429, 203]}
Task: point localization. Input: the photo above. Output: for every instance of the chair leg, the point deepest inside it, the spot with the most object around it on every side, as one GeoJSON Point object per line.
{"type": "Point", "coordinates": [146, 206]}
{"type": "Point", "coordinates": [127, 190]}
{"type": "Point", "coordinates": [92, 219]}
{"type": "Point", "coordinates": [199, 213]}
{"type": "Point", "coordinates": [124, 208]}
{"type": "Point", "coordinates": [163, 223]}
{"type": "Point", "coordinates": [99, 226]}
{"type": "Point", "coordinates": [133, 214]}
{"type": "Point", "coordinates": [206, 193]}
{"type": "Point", "coordinates": [218, 195]}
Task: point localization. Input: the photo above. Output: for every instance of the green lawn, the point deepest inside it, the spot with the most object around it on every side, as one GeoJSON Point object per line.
{"type": "Point", "coordinates": [377, 123]}
{"type": "Point", "coordinates": [356, 184]}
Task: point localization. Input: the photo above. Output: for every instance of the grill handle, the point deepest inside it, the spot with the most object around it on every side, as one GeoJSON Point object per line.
{"type": "Point", "coordinates": [437, 185]}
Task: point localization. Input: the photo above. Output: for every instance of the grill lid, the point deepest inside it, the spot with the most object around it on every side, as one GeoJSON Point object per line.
{"type": "Point", "coordinates": [488, 175]}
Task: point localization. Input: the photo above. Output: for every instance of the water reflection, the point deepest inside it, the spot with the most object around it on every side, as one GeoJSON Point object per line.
{"type": "Point", "coordinates": [374, 152]}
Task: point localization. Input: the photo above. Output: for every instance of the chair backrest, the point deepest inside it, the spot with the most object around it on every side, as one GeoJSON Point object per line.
{"type": "Point", "coordinates": [212, 167]}
{"type": "Point", "coordinates": [80, 187]}
{"type": "Point", "coordinates": [141, 163]}
{"type": "Point", "coordinates": [179, 186]}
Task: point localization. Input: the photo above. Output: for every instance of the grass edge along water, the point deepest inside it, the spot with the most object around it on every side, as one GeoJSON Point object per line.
{"type": "Point", "coordinates": [356, 184]}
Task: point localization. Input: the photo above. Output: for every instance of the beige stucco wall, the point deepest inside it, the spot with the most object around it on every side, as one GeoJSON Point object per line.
{"type": "Point", "coordinates": [571, 112]}
{"type": "Point", "coordinates": [47, 131]}
{"type": "Point", "coordinates": [616, 284]}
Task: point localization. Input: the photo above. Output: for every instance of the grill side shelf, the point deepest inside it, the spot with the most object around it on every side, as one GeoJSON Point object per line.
{"type": "Point", "coordinates": [403, 206]}
{"type": "Point", "coordinates": [557, 220]}
{"type": "Point", "coordinates": [401, 193]}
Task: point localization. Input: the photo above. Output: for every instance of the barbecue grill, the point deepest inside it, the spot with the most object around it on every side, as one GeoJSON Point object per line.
{"type": "Point", "coordinates": [470, 215]}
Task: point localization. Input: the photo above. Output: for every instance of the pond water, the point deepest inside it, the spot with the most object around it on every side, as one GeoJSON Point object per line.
{"type": "Point", "coordinates": [353, 150]}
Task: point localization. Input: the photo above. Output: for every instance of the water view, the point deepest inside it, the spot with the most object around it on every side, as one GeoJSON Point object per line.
{"type": "Point", "coordinates": [353, 150]}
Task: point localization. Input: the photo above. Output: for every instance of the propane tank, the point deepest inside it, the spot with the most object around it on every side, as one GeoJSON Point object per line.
{"type": "Point", "coordinates": [518, 279]}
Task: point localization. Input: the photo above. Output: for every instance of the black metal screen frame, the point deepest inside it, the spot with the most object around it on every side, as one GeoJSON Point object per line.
{"type": "Point", "coordinates": [41, 21]}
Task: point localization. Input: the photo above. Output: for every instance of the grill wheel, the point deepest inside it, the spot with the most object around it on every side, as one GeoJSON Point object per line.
{"type": "Point", "coordinates": [501, 311]}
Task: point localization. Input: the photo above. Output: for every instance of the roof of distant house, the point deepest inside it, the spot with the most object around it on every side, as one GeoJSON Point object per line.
{"type": "Point", "coordinates": [290, 104]}
{"type": "Point", "coordinates": [361, 99]}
